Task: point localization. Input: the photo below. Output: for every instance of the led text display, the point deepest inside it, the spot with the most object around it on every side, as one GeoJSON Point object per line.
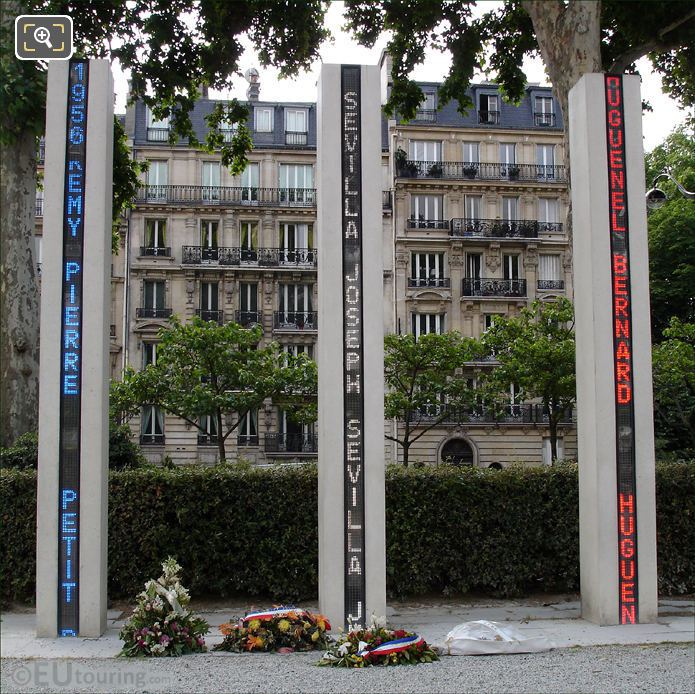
{"type": "Point", "coordinates": [71, 351]}
{"type": "Point", "coordinates": [353, 373]}
{"type": "Point", "coordinates": [622, 352]}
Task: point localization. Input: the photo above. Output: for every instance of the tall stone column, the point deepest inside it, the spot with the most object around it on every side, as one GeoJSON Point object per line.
{"type": "Point", "coordinates": [617, 519]}
{"type": "Point", "coordinates": [352, 563]}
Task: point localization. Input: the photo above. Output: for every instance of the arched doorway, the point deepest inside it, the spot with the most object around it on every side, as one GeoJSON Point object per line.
{"type": "Point", "coordinates": [457, 452]}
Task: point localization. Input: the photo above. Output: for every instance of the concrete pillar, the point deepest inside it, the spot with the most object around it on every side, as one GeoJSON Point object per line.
{"type": "Point", "coordinates": [352, 583]}
{"type": "Point", "coordinates": [614, 388]}
{"type": "Point", "coordinates": [75, 299]}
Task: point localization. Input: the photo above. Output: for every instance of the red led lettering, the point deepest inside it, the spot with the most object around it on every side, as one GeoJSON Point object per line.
{"type": "Point", "coordinates": [614, 118]}
{"type": "Point", "coordinates": [630, 528]}
{"type": "Point", "coordinates": [613, 90]}
{"type": "Point", "coordinates": [620, 286]}
{"type": "Point", "coordinates": [627, 614]}
{"type": "Point", "coordinates": [626, 592]}
{"type": "Point", "coordinates": [620, 307]}
{"type": "Point", "coordinates": [624, 394]}
{"type": "Point", "coordinates": [627, 503]}
{"type": "Point", "coordinates": [618, 200]}
{"type": "Point", "coordinates": [620, 264]}
{"type": "Point", "coordinates": [627, 549]}
{"type": "Point", "coordinates": [616, 159]}
{"type": "Point", "coordinates": [623, 371]}
{"type": "Point", "coordinates": [615, 139]}
{"type": "Point", "coordinates": [623, 351]}
{"type": "Point", "coordinates": [622, 328]}
{"type": "Point", "coordinates": [626, 566]}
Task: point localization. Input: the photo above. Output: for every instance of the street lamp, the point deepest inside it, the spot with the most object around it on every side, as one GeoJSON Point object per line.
{"type": "Point", "coordinates": [657, 197]}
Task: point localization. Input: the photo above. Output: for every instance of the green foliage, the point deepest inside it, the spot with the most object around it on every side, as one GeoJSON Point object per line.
{"type": "Point", "coordinates": [501, 532]}
{"type": "Point", "coordinates": [672, 233]}
{"type": "Point", "coordinates": [23, 453]}
{"type": "Point", "coordinates": [419, 377]}
{"type": "Point", "coordinates": [161, 624]}
{"type": "Point", "coordinates": [206, 369]}
{"type": "Point", "coordinates": [674, 390]}
{"type": "Point", "coordinates": [536, 353]}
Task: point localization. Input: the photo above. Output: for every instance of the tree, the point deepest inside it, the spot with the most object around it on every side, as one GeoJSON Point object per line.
{"type": "Point", "coordinates": [208, 370]}
{"type": "Point", "coordinates": [674, 390]}
{"type": "Point", "coordinates": [172, 49]}
{"type": "Point", "coordinates": [535, 351]}
{"type": "Point", "coordinates": [672, 234]}
{"type": "Point", "coordinates": [421, 387]}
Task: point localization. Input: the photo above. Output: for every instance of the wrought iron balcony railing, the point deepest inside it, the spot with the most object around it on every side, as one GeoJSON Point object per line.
{"type": "Point", "coordinates": [428, 223]}
{"type": "Point", "coordinates": [207, 439]}
{"type": "Point", "coordinates": [144, 312]}
{"type": "Point", "coordinates": [151, 439]}
{"type": "Point", "coordinates": [158, 134]}
{"type": "Point", "coordinates": [482, 171]}
{"type": "Point", "coordinates": [489, 117]}
{"type": "Point", "coordinates": [544, 119]}
{"type": "Point", "coordinates": [485, 286]}
{"type": "Point", "coordinates": [246, 319]}
{"type": "Point", "coordinates": [444, 282]}
{"type": "Point", "coordinates": [214, 315]}
{"type": "Point", "coordinates": [162, 251]}
{"type": "Point", "coordinates": [296, 138]}
{"type": "Point", "coordinates": [550, 284]}
{"type": "Point", "coordinates": [227, 195]}
{"type": "Point", "coordinates": [295, 320]}
{"type": "Point", "coordinates": [527, 413]}
{"type": "Point", "coordinates": [265, 257]}
{"type": "Point", "coordinates": [428, 115]}
{"type": "Point", "coordinates": [39, 208]}
{"type": "Point", "coordinates": [291, 443]}
{"type": "Point", "coordinates": [247, 440]}
{"type": "Point", "coordinates": [501, 228]}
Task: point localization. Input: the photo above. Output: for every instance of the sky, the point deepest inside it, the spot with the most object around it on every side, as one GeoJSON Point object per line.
{"type": "Point", "coordinates": [343, 49]}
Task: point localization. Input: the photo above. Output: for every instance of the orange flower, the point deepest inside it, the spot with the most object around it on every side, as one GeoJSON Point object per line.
{"type": "Point", "coordinates": [254, 642]}
{"type": "Point", "coordinates": [227, 629]}
{"type": "Point", "coordinates": [322, 622]}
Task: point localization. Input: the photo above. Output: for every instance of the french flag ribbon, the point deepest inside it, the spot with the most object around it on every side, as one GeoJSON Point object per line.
{"type": "Point", "coordinates": [270, 614]}
{"type": "Point", "coordinates": [395, 646]}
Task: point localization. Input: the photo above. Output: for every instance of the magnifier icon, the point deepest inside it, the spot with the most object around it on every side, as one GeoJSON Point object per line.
{"type": "Point", "coordinates": [43, 35]}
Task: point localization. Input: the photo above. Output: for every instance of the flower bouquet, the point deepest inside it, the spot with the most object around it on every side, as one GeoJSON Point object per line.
{"type": "Point", "coordinates": [378, 645]}
{"type": "Point", "coordinates": [284, 629]}
{"type": "Point", "coordinates": [160, 624]}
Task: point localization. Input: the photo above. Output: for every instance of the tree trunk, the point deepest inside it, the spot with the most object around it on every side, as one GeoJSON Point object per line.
{"type": "Point", "coordinates": [406, 448]}
{"type": "Point", "coordinates": [552, 425]}
{"type": "Point", "coordinates": [220, 439]}
{"type": "Point", "coordinates": [19, 292]}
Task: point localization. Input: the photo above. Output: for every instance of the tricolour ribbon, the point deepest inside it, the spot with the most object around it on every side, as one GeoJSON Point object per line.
{"type": "Point", "coordinates": [395, 646]}
{"type": "Point", "coordinates": [275, 612]}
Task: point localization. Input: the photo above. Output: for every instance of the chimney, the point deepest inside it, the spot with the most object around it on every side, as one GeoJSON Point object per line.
{"type": "Point", "coordinates": [253, 92]}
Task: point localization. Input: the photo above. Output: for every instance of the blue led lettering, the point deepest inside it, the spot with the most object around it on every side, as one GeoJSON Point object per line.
{"type": "Point", "coordinates": [69, 495]}
{"type": "Point", "coordinates": [75, 201]}
{"type": "Point", "coordinates": [71, 337]}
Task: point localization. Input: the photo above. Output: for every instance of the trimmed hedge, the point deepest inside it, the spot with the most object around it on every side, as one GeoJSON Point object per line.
{"type": "Point", "coordinates": [254, 531]}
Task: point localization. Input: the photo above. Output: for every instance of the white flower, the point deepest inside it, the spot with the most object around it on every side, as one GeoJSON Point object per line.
{"type": "Point", "coordinates": [157, 648]}
{"type": "Point", "coordinates": [344, 649]}
{"type": "Point", "coordinates": [361, 646]}
{"type": "Point", "coordinates": [378, 622]}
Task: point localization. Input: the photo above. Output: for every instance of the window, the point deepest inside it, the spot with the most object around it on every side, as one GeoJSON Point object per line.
{"type": "Point", "coordinates": [248, 429]}
{"type": "Point", "coordinates": [38, 252]}
{"type": "Point", "coordinates": [295, 304]}
{"type": "Point", "coordinates": [425, 323]}
{"type": "Point", "coordinates": [149, 353]}
{"type": "Point", "coordinates": [547, 450]}
{"type": "Point", "coordinates": [250, 181]}
{"type": "Point", "coordinates": [489, 111]}
{"type": "Point", "coordinates": [543, 111]}
{"type": "Point", "coordinates": [472, 204]}
{"type": "Point", "coordinates": [209, 301]}
{"type": "Point", "coordinates": [208, 240]}
{"type": "Point", "coordinates": [228, 130]}
{"type": "Point", "coordinates": [427, 270]}
{"type": "Point", "coordinates": [471, 153]}
{"type": "Point", "coordinates": [507, 153]}
{"type": "Point", "coordinates": [474, 262]}
{"type": "Point", "coordinates": [295, 437]}
{"type": "Point", "coordinates": [39, 203]}
{"type": "Point", "coordinates": [263, 119]}
{"type": "Point", "coordinates": [425, 150]}
{"type": "Point", "coordinates": [153, 291]}
{"type": "Point", "coordinates": [548, 210]}
{"type": "Point", "coordinates": [211, 180]}
{"type": "Point", "coordinates": [151, 426]}
{"type": "Point", "coordinates": [296, 350]}
{"type": "Point", "coordinates": [157, 129]}
{"type": "Point", "coordinates": [248, 236]}
{"type": "Point", "coordinates": [297, 183]}
{"type": "Point", "coordinates": [157, 180]}
{"type": "Point", "coordinates": [426, 211]}
{"type": "Point", "coordinates": [549, 272]}
{"type": "Point", "coordinates": [511, 266]}
{"type": "Point", "coordinates": [489, 319]}
{"type": "Point", "coordinates": [155, 237]}
{"type": "Point", "coordinates": [207, 435]}
{"type": "Point", "coordinates": [296, 128]}
{"type": "Point", "coordinates": [248, 313]}
{"type": "Point", "coordinates": [545, 158]}
{"type": "Point", "coordinates": [510, 207]}
{"type": "Point", "coordinates": [427, 110]}
{"type": "Point", "coordinates": [296, 243]}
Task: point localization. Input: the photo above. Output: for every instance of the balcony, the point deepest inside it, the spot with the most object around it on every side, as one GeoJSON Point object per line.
{"type": "Point", "coordinates": [551, 285]}
{"type": "Point", "coordinates": [294, 321]}
{"type": "Point", "coordinates": [207, 439]}
{"type": "Point", "coordinates": [501, 228]}
{"type": "Point", "coordinates": [263, 257]}
{"type": "Point", "coordinates": [39, 207]}
{"type": "Point", "coordinates": [247, 319]}
{"type": "Point", "coordinates": [427, 115]}
{"type": "Point", "coordinates": [144, 312]}
{"type": "Point", "coordinates": [214, 315]}
{"type": "Point", "coordinates": [419, 282]}
{"type": "Point", "coordinates": [460, 170]}
{"type": "Point", "coordinates": [428, 223]}
{"type": "Point", "coordinates": [509, 414]}
{"type": "Point", "coordinates": [386, 202]}
{"type": "Point", "coordinates": [161, 251]}
{"type": "Point", "coordinates": [291, 443]}
{"type": "Point", "coordinates": [41, 154]}
{"type": "Point", "coordinates": [493, 287]}
{"type": "Point", "coordinates": [544, 120]}
{"type": "Point", "coordinates": [158, 134]}
{"type": "Point", "coordinates": [296, 138]}
{"type": "Point", "coordinates": [226, 195]}
{"type": "Point", "coordinates": [247, 440]}
{"type": "Point", "coordinates": [151, 439]}
{"type": "Point", "coordinates": [489, 117]}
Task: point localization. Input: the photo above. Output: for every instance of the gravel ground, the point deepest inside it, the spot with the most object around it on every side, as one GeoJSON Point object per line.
{"type": "Point", "coordinates": [661, 668]}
